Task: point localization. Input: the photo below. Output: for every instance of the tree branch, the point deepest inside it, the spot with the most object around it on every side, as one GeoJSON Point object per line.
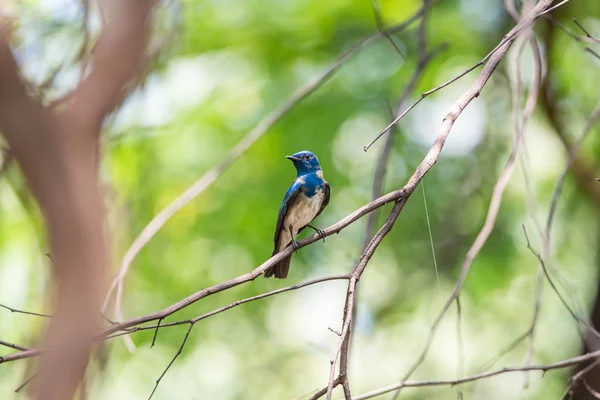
{"type": "Point", "coordinates": [211, 176]}
{"type": "Point", "coordinates": [232, 305]}
{"type": "Point", "coordinates": [451, 382]}
{"type": "Point", "coordinates": [510, 37]}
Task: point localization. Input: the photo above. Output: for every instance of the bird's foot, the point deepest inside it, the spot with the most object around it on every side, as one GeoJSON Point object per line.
{"type": "Point", "coordinates": [294, 245]}
{"type": "Point", "coordinates": [320, 232]}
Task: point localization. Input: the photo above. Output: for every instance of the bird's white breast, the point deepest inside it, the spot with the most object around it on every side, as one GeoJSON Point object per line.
{"type": "Point", "coordinates": [300, 213]}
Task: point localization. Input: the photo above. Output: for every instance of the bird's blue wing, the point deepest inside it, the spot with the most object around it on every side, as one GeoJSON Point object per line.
{"type": "Point", "coordinates": [288, 200]}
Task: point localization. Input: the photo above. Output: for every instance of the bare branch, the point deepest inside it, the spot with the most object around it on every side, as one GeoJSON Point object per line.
{"type": "Point", "coordinates": [13, 346]}
{"type": "Point", "coordinates": [381, 28]}
{"type": "Point", "coordinates": [336, 228]}
{"type": "Point", "coordinates": [431, 158]}
{"type": "Point", "coordinates": [232, 305]}
{"type": "Point", "coordinates": [554, 7]}
{"type": "Point", "coordinates": [510, 37]}
{"type": "Point", "coordinates": [459, 338]}
{"type": "Point", "coordinates": [574, 381]}
{"type": "Point", "coordinates": [583, 39]}
{"type": "Point", "coordinates": [583, 323]}
{"type": "Point", "coordinates": [544, 256]}
{"type": "Point", "coordinates": [14, 310]}
{"type": "Point", "coordinates": [498, 191]}
{"type": "Point", "coordinates": [546, 367]}
{"type": "Point", "coordinates": [27, 382]}
{"type": "Point", "coordinates": [592, 52]}
{"type": "Point", "coordinates": [587, 34]}
{"type": "Point", "coordinates": [211, 176]}
{"type": "Point", "coordinates": [380, 170]}
{"type": "Point", "coordinates": [185, 338]}
{"type": "Point", "coordinates": [323, 391]}
{"type": "Point", "coordinates": [155, 333]}
{"type": "Point", "coordinates": [348, 312]}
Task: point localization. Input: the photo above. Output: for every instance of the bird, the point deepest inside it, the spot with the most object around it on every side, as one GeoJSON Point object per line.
{"type": "Point", "coordinates": [305, 199]}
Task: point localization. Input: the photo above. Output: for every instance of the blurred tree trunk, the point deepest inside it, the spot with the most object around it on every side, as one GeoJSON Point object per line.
{"type": "Point", "coordinates": [57, 148]}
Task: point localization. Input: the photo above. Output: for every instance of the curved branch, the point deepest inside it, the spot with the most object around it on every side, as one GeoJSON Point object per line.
{"type": "Point", "coordinates": [211, 176]}
{"type": "Point", "coordinates": [451, 382]}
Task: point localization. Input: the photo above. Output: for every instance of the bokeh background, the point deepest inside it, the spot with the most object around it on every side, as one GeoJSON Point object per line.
{"type": "Point", "coordinates": [224, 66]}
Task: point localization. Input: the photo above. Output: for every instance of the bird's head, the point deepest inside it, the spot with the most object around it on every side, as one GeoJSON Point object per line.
{"type": "Point", "coordinates": [305, 162]}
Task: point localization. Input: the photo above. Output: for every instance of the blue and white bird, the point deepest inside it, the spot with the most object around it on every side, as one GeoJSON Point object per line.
{"type": "Point", "coordinates": [305, 199]}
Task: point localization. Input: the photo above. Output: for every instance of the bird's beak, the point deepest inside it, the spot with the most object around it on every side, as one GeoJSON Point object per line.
{"type": "Point", "coordinates": [292, 158]}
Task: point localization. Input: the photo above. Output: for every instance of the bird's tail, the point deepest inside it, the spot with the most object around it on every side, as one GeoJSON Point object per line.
{"type": "Point", "coordinates": [279, 270]}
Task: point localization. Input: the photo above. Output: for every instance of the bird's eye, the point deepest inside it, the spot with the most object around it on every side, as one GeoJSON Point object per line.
{"type": "Point", "coordinates": [306, 157]}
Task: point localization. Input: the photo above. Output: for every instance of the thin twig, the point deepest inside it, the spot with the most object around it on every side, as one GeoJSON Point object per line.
{"type": "Point", "coordinates": [348, 312]}
{"type": "Point", "coordinates": [583, 39]}
{"type": "Point", "coordinates": [27, 381]}
{"type": "Point", "coordinates": [13, 346]}
{"type": "Point", "coordinates": [381, 28]}
{"type": "Point", "coordinates": [507, 349]}
{"type": "Point", "coordinates": [382, 159]}
{"type": "Point", "coordinates": [156, 333]}
{"type": "Point", "coordinates": [571, 157]}
{"type": "Point", "coordinates": [543, 257]}
{"type": "Point", "coordinates": [482, 375]}
{"type": "Point", "coordinates": [581, 321]}
{"type": "Point", "coordinates": [574, 381]}
{"type": "Point", "coordinates": [185, 338]}
{"type": "Point", "coordinates": [592, 52]}
{"type": "Point", "coordinates": [509, 38]}
{"type": "Point", "coordinates": [14, 310]}
{"type": "Point", "coordinates": [320, 393]}
{"type": "Point", "coordinates": [232, 305]}
{"type": "Point", "coordinates": [562, 3]}
{"type": "Point", "coordinates": [461, 354]}
{"type": "Point", "coordinates": [435, 265]}
{"type": "Point", "coordinates": [587, 34]}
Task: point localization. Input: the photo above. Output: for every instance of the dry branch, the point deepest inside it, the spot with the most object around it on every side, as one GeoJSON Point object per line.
{"type": "Point", "coordinates": [211, 176]}
{"type": "Point", "coordinates": [451, 382]}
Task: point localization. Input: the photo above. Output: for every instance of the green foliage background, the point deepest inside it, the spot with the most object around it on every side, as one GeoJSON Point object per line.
{"type": "Point", "coordinates": [226, 65]}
